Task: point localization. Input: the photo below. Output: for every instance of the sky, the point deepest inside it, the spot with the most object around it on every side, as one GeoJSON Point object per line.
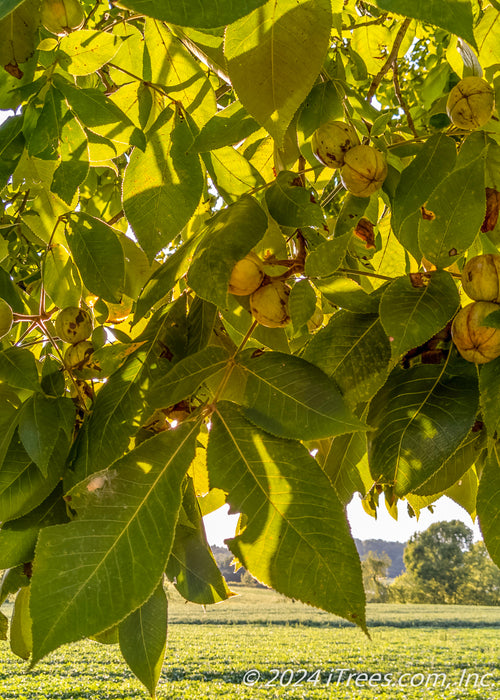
{"type": "Point", "coordinates": [220, 526]}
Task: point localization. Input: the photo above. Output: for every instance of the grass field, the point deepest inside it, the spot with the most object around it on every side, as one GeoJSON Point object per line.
{"type": "Point", "coordinates": [209, 653]}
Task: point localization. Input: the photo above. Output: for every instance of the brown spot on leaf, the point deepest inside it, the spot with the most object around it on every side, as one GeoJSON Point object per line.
{"type": "Point", "coordinates": [452, 252]}
{"type": "Point", "coordinates": [14, 70]}
{"type": "Point", "coordinates": [478, 425]}
{"type": "Point", "coordinates": [427, 215]}
{"type": "Point", "coordinates": [364, 231]}
{"type": "Point", "coordinates": [257, 353]}
{"type": "Point", "coordinates": [492, 210]}
{"type": "Point", "coordinates": [419, 279]}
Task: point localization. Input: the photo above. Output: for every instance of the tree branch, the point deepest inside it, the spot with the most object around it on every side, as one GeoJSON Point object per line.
{"type": "Point", "coordinates": [390, 59]}
{"type": "Point", "coordinates": [402, 103]}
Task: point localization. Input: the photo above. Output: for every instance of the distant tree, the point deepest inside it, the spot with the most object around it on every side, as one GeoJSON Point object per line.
{"type": "Point", "coordinates": [481, 580]}
{"type": "Point", "coordinates": [434, 561]}
{"type": "Point", "coordinates": [375, 568]}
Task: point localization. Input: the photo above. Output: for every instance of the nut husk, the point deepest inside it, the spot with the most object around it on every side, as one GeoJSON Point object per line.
{"type": "Point", "coordinates": [476, 343]}
{"type": "Point", "coordinates": [246, 275]}
{"type": "Point", "coordinates": [470, 103]}
{"type": "Point", "coordinates": [364, 170]}
{"type": "Point", "coordinates": [73, 325]}
{"type": "Point", "coordinates": [331, 141]}
{"type": "Point", "coordinates": [269, 304]}
{"type": "Point", "coordinates": [481, 277]}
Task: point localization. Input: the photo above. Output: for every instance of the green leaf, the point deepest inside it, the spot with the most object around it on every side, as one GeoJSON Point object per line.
{"type": "Point", "coordinates": [100, 114]}
{"type": "Point", "coordinates": [229, 126]}
{"type": "Point", "coordinates": [165, 278]}
{"type": "Point", "coordinates": [327, 257]}
{"type": "Point", "coordinates": [21, 642]}
{"type": "Point", "coordinates": [432, 164]}
{"type": "Point", "coordinates": [11, 147]}
{"type": "Point", "coordinates": [232, 174]}
{"type": "Point", "coordinates": [489, 387]}
{"type": "Point", "coordinates": [74, 160]}
{"type": "Point", "coordinates": [120, 407]}
{"type": "Point", "coordinates": [351, 212]}
{"type": "Point", "coordinates": [45, 137]}
{"type": "Point", "coordinates": [291, 204]}
{"type": "Point", "coordinates": [464, 492]}
{"type": "Point", "coordinates": [9, 6]}
{"type": "Point", "coordinates": [18, 31]}
{"type": "Point", "coordinates": [18, 537]}
{"type": "Point", "coordinates": [192, 565]}
{"type": "Point", "coordinates": [61, 278]}
{"type": "Point", "coordinates": [18, 369]}
{"type": "Point", "coordinates": [344, 461]}
{"type": "Point", "coordinates": [201, 319]}
{"type": "Point", "coordinates": [296, 538]}
{"type": "Point", "coordinates": [187, 375]}
{"type": "Point", "coordinates": [42, 421]}
{"type": "Point", "coordinates": [98, 255]}
{"type": "Point", "coordinates": [323, 104]}
{"type": "Point", "coordinates": [346, 293]}
{"type": "Point", "coordinates": [274, 56]}
{"type": "Point", "coordinates": [228, 237]}
{"type": "Point", "coordinates": [488, 497]}
{"type": "Point", "coordinates": [22, 485]}
{"type": "Point", "coordinates": [143, 639]}
{"type": "Point", "coordinates": [162, 186]}
{"type": "Point", "coordinates": [456, 211]}
{"type": "Point", "coordinates": [291, 398]}
{"type": "Point", "coordinates": [302, 303]}
{"type": "Point", "coordinates": [169, 64]}
{"type": "Point", "coordinates": [412, 314]}
{"type": "Point", "coordinates": [86, 51]}
{"type": "Point", "coordinates": [111, 558]}
{"type": "Point", "coordinates": [454, 16]}
{"type": "Point", "coordinates": [456, 465]}
{"type": "Point", "coordinates": [420, 416]}
{"type": "Point", "coordinates": [186, 14]}
{"type": "Point", "coordinates": [354, 351]}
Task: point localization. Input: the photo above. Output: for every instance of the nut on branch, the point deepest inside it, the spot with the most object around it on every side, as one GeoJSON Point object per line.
{"type": "Point", "coordinates": [247, 275]}
{"type": "Point", "coordinates": [73, 325]}
{"type": "Point", "coordinates": [269, 304]}
{"type": "Point", "coordinates": [331, 141]}
{"type": "Point", "coordinates": [475, 342]}
{"type": "Point", "coordinates": [364, 170]}
{"type": "Point", "coordinates": [470, 103]}
{"type": "Point", "coordinates": [481, 278]}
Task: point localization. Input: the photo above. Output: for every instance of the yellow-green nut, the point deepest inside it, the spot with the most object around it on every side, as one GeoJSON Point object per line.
{"type": "Point", "coordinates": [481, 278]}
{"type": "Point", "coordinates": [73, 325]}
{"type": "Point", "coordinates": [331, 141]}
{"type": "Point", "coordinates": [246, 275]}
{"type": "Point", "coordinates": [269, 304]}
{"type": "Point", "coordinates": [471, 103]}
{"type": "Point", "coordinates": [475, 342]}
{"type": "Point", "coordinates": [62, 16]}
{"type": "Point", "coordinates": [364, 170]}
{"type": "Point", "coordinates": [6, 317]}
{"type": "Point", "coordinates": [78, 356]}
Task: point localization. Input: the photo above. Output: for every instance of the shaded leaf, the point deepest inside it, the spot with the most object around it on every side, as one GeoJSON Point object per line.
{"type": "Point", "coordinates": [301, 303]}
{"type": "Point", "coordinates": [420, 416]}
{"type": "Point", "coordinates": [274, 55]}
{"type": "Point", "coordinates": [228, 237]}
{"type": "Point", "coordinates": [229, 126]}
{"type": "Point", "coordinates": [186, 14]}
{"type": "Point", "coordinates": [11, 147]}
{"type": "Point", "coordinates": [21, 642]}
{"type": "Point", "coordinates": [296, 538]}
{"type": "Point", "coordinates": [162, 186]}
{"type": "Point", "coordinates": [143, 639]}
{"type": "Point", "coordinates": [291, 204]}
{"type": "Point", "coordinates": [124, 533]}
{"type": "Point", "coordinates": [344, 461]}
{"type": "Point", "coordinates": [18, 369]}
{"type": "Point", "coordinates": [488, 498]}
{"type": "Point", "coordinates": [354, 351]}
{"type": "Point", "coordinates": [291, 398]}
{"type": "Point", "coordinates": [412, 314]}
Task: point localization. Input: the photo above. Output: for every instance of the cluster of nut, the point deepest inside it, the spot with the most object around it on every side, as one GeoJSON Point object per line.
{"type": "Point", "coordinates": [268, 297]}
{"type": "Point", "coordinates": [481, 282]}
{"type": "Point", "coordinates": [363, 169]}
{"type": "Point", "coordinates": [74, 326]}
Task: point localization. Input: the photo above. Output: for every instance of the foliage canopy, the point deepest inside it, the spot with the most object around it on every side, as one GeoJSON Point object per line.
{"type": "Point", "coordinates": [153, 146]}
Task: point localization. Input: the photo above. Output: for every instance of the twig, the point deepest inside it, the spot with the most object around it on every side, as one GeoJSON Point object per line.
{"type": "Point", "coordinates": [116, 218]}
{"type": "Point", "coordinates": [390, 59]}
{"type": "Point", "coordinates": [402, 103]}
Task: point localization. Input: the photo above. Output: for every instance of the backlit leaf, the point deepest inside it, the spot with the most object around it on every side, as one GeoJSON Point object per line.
{"type": "Point", "coordinates": [488, 498]}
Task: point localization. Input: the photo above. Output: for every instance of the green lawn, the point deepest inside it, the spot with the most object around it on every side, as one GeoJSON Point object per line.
{"type": "Point", "coordinates": [210, 651]}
